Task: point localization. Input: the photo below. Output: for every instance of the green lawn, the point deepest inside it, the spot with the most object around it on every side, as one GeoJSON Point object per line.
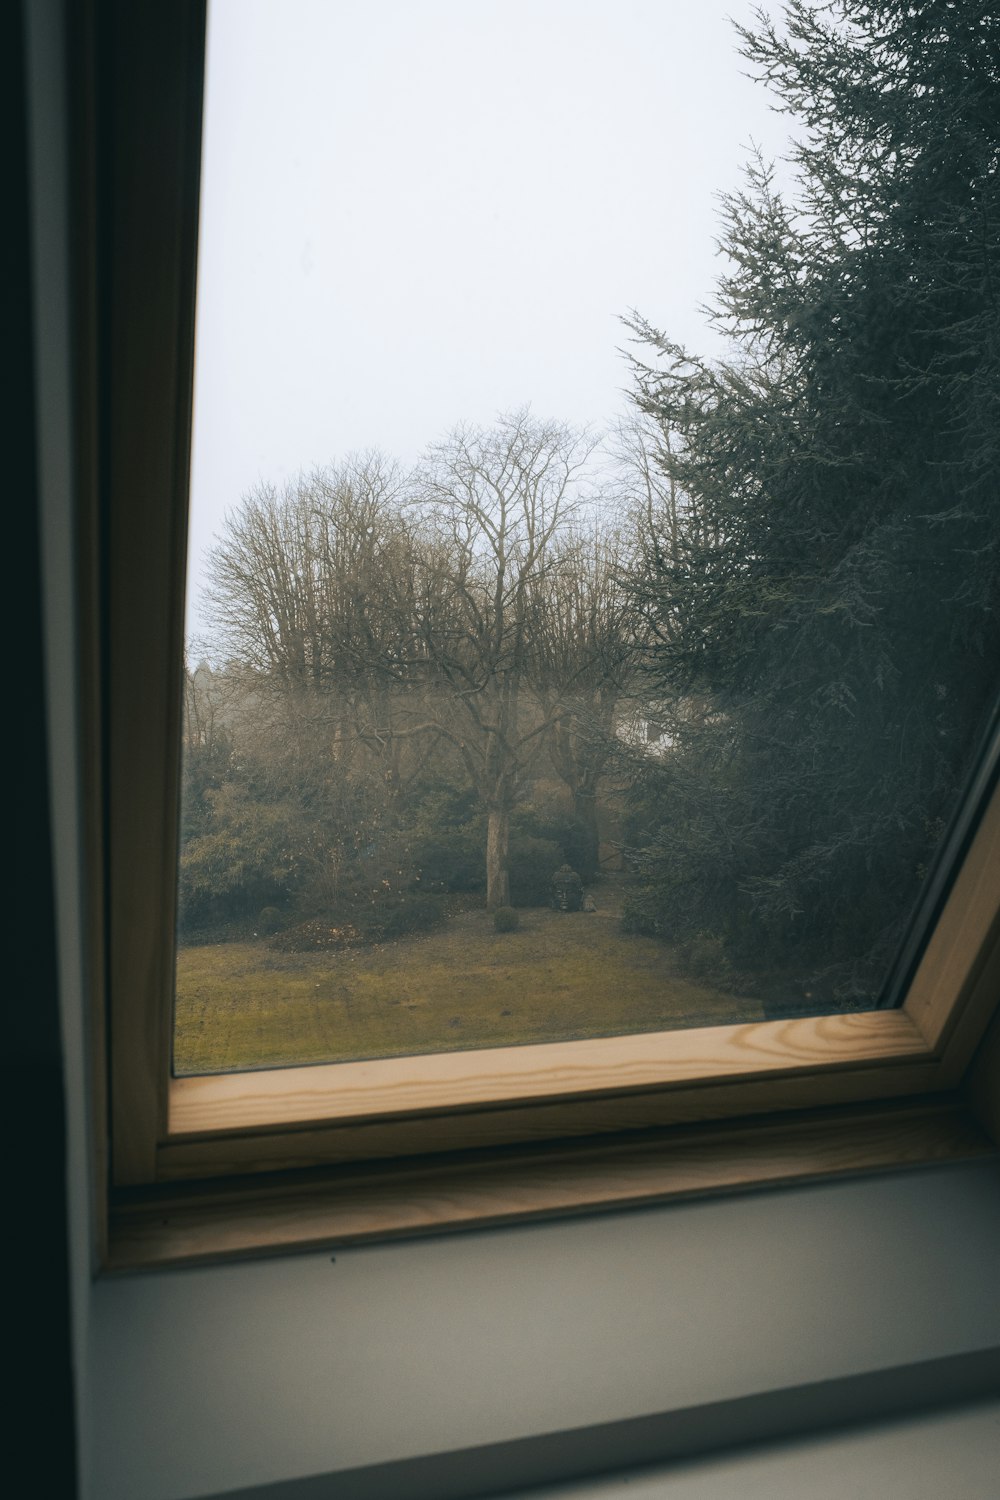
{"type": "Point", "coordinates": [562, 976]}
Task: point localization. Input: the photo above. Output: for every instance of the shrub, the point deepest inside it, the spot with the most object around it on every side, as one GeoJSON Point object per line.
{"type": "Point", "coordinates": [643, 913]}
{"type": "Point", "coordinates": [445, 837]}
{"type": "Point", "coordinates": [245, 860]}
{"type": "Point", "coordinates": [388, 920]}
{"type": "Point", "coordinates": [533, 862]}
{"type": "Point", "coordinates": [506, 919]}
{"type": "Point", "coordinates": [269, 921]}
{"type": "Point", "coordinates": [353, 926]}
{"type": "Point", "coordinates": [555, 823]}
{"type": "Point", "coordinates": [704, 957]}
{"type": "Point", "coordinates": [452, 862]}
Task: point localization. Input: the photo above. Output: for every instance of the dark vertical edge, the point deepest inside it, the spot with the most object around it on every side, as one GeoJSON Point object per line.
{"type": "Point", "coordinates": [36, 1189]}
{"type": "Point", "coordinates": [86, 217]}
{"type": "Point", "coordinates": [152, 73]}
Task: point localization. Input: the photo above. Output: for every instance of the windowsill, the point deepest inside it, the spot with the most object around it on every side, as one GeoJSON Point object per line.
{"type": "Point", "coordinates": [267, 1214]}
{"type": "Point", "coordinates": [542, 1351]}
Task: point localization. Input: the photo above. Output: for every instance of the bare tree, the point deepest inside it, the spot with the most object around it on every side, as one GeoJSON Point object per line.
{"type": "Point", "coordinates": [312, 590]}
{"type": "Point", "coordinates": [474, 612]}
{"type": "Point", "coordinates": [493, 505]}
{"type": "Point", "coordinates": [304, 579]}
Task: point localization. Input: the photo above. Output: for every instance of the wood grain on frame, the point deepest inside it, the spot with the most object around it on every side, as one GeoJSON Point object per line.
{"type": "Point", "coordinates": [556, 1070]}
{"type": "Point", "coordinates": [418, 1106]}
{"type": "Point", "coordinates": [249, 1151]}
{"type": "Point", "coordinates": [356, 1205]}
{"type": "Point", "coordinates": [962, 940]}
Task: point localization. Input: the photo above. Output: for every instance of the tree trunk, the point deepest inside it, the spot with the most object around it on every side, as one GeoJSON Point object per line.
{"type": "Point", "coordinates": [497, 860]}
{"type": "Point", "coordinates": [585, 810]}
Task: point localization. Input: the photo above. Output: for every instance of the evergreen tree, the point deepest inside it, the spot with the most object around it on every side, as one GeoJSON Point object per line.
{"type": "Point", "coordinates": [827, 621]}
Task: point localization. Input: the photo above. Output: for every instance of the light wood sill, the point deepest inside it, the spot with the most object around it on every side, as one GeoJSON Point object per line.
{"type": "Point", "coordinates": [348, 1205]}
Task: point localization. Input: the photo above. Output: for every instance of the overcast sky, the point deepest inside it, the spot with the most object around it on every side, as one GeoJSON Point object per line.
{"type": "Point", "coordinates": [416, 212]}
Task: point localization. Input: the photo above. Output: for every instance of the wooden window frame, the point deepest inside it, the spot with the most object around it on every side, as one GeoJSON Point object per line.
{"type": "Point", "coordinates": [222, 1164]}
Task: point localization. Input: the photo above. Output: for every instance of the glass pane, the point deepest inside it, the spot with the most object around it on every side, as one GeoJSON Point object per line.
{"type": "Point", "coordinates": [550, 676]}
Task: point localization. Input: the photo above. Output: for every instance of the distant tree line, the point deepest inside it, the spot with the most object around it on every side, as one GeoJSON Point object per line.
{"type": "Point", "coordinates": [404, 656]}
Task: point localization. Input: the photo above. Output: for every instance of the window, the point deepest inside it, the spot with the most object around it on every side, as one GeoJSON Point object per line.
{"type": "Point", "coordinates": [509, 662]}
{"type": "Point", "coordinates": [521, 1106]}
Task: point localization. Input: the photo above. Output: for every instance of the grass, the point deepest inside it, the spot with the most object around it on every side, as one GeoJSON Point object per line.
{"type": "Point", "coordinates": [561, 977]}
